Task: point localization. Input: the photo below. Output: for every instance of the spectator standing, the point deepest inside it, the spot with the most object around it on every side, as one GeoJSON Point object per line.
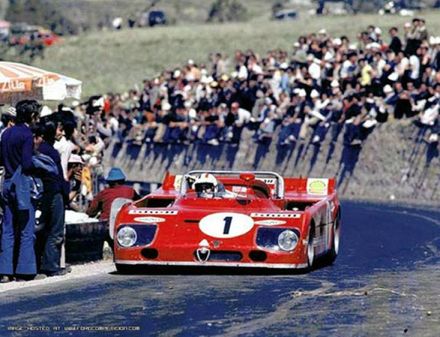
{"type": "Point", "coordinates": [8, 119]}
{"type": "Point", "coordinates": [395, 43]}
{"type": "Point", "coordinates": [52, 206]}
{"type": "Point", "coordinates": [74, 174]}
{"type": "Point", "coordinates": [413, 36]}
{"type": "Point", "coordinates": [64, 144]}
{"type": "Point", "coordinates": [241, 117]}
{"type": "Point", "coordinates": [18, 255]}
{"type": "Point", "coordinates": [414, 66]}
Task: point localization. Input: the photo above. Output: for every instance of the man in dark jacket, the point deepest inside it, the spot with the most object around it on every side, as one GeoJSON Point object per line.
{"type": "Point", "coordinates": [18, 255]}
{"type": "Point", "coordinates": [7, 121]}
{"type": "Point", "coordinates": [395, 44]}
{"type": "Point", "coordinates": [52, 206]}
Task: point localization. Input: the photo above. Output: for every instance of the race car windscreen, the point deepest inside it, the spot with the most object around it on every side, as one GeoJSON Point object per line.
{"type": "Point", "coordinates": [229, 191]}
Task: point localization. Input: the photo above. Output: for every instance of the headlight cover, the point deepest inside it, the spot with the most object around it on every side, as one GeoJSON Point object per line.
{"type": "Point", "coordinates": [269, 238]}
{"type": "Point", "coordinates": [126, 236]}
{"type": "Point", "coordinates": [287, 240]}
{"type": "Point", "coordinates": [144, 234]}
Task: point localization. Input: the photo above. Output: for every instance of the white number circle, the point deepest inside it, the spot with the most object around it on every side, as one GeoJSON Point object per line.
{"type": "Point", "coordinates": [226, 225]}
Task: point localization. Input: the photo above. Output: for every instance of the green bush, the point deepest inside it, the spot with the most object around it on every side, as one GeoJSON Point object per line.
{"type": "Point", "coordinates": [227, 11]}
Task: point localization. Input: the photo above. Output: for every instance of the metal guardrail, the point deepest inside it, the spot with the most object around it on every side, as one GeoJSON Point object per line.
{"type": "Point", "coordinates": [85, 241]}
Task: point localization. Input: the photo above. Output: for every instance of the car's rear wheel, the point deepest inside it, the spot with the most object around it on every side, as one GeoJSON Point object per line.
{"type": "Point", "coordinates": [126, 268]}
{"type": "Point", "coordinates": [311, 248]}
{"type": "Point", "coordinates": [336, 238]}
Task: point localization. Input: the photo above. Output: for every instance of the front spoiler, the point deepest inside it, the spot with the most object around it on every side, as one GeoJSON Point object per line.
{"type": "Point", "coordinates": [215, 264]}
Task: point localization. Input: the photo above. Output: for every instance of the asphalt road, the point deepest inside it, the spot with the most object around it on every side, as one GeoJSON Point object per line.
{"type": "Point", "coordinates": [384, 283]}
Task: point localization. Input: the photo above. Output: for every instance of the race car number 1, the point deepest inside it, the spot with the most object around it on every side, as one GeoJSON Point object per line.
{"type": "Point", "coordinates": [226, 225]}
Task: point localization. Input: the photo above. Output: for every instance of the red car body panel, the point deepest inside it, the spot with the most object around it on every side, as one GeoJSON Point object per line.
{"type": "Point", "coordinates": [187, 226]}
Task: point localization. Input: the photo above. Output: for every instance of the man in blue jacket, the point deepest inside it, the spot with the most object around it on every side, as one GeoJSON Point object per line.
{"type": "Point", "coordinates": [56, 190]}
{"type": "Point", "coordinates": [17, 257]}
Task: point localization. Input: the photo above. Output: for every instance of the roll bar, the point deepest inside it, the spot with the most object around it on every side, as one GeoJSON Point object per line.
{"type": "Point", "coordinates": [279, 186]}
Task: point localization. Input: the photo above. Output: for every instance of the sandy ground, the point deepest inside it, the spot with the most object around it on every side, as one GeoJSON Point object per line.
{"type": "Point", "coordinates": [78, 272]}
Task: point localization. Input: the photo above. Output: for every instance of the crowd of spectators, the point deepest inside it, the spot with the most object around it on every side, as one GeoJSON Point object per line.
{"type": "Point", "coordinates": [325, 87]}
{"type": "Point", "coordinates": [48, 159]}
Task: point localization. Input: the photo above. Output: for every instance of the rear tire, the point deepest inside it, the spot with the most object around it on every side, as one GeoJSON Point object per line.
{"type": "Point", "coordinates": [310, 248]}
{"type": "Point", "coordinates": [331, 256]}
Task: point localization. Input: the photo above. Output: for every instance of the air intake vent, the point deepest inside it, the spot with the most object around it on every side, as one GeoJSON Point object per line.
{"type": "Point", "coordinates": [257, 256]}
{"type": "Point", "coordinates": [191, 221]}
{"type": "Point", "coordinates": [223, 256]}
{"type": "Point", "coordinates": [150, 253]}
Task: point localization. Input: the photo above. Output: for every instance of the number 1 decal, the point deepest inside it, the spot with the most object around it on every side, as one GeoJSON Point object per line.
{"type": "Point", "coordinates": [228, 221]}
{"type": "Point", "coordinates": [226, 224]}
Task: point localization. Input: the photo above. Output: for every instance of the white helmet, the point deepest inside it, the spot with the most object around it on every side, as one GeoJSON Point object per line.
{"type": "Point", "coordinates": [206, 185]}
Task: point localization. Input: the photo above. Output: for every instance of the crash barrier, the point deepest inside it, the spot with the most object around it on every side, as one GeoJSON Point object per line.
{"type": "Point", "coordinates": [85, 241]}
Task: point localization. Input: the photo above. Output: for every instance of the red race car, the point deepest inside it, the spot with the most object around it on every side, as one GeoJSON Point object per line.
{"type": "Point", "coordinates": [229, 219]}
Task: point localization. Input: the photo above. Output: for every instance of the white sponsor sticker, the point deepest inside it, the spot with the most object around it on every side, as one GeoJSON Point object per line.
{"type": "Point", "coordinates": [226, 225]}
{"type": "Point", "coordinates": [317, 186]}
{"type": "Point", "coordinates": [268, 181]}
{"type": "Point", "coordinates": [149, 219]}
{"type": "Point", "coordinates": [178, 182]}
{"type": "Point", "coordinates": [276, 215]}
{"type": "Point", "coordinates": [148, 211]}
{"type": "Point", "coordinates": [239, 189]}
{"type": "Point", "coordinates": [270, 222]}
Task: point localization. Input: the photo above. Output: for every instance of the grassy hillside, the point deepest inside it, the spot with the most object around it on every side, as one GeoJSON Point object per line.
{"type": "Point", "coordinates": [88, 13]}
{"type": "Point", "coordinates": [116, 61]}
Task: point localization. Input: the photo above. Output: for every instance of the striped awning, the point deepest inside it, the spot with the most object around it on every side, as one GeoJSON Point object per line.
{"type": "Point", "coordinates": [20, 81]}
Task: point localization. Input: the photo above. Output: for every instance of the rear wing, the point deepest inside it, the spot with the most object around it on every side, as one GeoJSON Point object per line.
{"type": "Point", "coordinates": [311, 186]}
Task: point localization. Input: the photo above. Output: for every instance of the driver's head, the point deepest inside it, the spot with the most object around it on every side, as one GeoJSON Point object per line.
{"type": "Point", "coordinates": [206, 185]}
